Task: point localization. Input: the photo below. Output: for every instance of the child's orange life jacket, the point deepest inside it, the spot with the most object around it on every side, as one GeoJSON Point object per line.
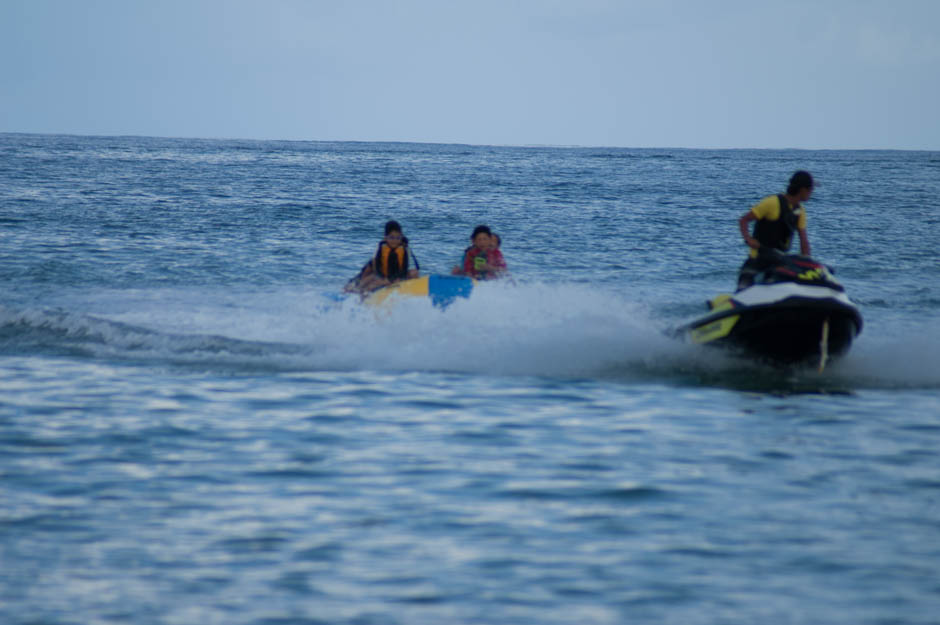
{"type": "Point", "coordinates": [391, 263]}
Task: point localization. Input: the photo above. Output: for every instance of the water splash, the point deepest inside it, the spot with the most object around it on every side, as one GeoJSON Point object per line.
{"type": "Point", "coordinates": [539, 329]}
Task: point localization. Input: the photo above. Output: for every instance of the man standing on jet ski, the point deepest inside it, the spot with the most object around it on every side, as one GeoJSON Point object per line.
{"type": "Point", "coordinates": [777, 216]}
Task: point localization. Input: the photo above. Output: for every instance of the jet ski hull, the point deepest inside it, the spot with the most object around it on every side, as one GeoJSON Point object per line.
{"type": "Point", "coordinates": [782, 323]}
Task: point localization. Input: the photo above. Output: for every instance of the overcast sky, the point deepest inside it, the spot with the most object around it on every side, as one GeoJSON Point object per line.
{"type": "Point", "coordinates": [630, 73]}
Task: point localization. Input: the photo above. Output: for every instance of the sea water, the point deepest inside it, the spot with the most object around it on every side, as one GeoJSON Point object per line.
{"type": "Point", "coordinates": [194, 428]}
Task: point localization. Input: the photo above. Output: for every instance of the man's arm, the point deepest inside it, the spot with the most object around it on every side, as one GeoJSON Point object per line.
{"type": "Point", "coordinates": [804, 242]}
{"type": "Point", "coordinates": [744, 224]}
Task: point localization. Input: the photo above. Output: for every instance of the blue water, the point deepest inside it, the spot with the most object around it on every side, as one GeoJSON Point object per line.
{"type": "Point", "coordinates": [194, 430]}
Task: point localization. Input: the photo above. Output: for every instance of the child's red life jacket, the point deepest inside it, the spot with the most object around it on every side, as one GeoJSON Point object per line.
{"type": "Point", "coordinates": [470, 255]}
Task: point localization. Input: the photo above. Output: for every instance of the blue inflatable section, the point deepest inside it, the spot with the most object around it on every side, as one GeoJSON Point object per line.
{"type": "Point", "coordinates": [443, 290]}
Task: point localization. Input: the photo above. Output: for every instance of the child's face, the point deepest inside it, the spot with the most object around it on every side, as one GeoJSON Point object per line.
{"type": "Point", "coordinates": [482, 241]}
{"type": "Point", "coordinates": [494, 243]}
{"type": "Point", "coordinates": [393, 239]}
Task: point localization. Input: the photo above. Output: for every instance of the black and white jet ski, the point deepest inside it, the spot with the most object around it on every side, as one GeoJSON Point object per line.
{"type": "Point", "coordinates": [795, 312]}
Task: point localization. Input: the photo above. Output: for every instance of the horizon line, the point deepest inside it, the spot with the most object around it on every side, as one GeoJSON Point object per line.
{"type": "Point", "coordinates": [455, 143]}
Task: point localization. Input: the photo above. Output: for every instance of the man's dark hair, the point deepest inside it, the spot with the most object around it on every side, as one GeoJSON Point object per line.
{"type": "Point", "coordinates": [800, 180]}
{"type": "Point", "coordinates": [392, 226]}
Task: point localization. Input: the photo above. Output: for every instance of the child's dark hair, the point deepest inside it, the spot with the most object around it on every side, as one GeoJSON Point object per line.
{"type": "Point", "coordinates": [392, 226]}
{"type": "Point", "coordinates": [479, 229]}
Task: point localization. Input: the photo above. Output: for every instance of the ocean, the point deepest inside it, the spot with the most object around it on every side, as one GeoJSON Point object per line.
{"type": "Point", "coordinates": [195, 428]}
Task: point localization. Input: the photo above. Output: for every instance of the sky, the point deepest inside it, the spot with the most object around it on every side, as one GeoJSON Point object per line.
{"type": "Point", "coordinates": [830, 74]}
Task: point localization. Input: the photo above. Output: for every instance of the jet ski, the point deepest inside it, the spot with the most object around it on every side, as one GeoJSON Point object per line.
{"type": "Point", "coordinates": [795, 312]}
{"type": "Point", "coordinates": [441, 289]}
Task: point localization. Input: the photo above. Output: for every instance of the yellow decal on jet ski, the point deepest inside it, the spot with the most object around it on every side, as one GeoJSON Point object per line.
{"type": "Point", "coordinates": [720, 302]}
{"type": "Point", "coordinates": [714, 330]}
{"type": "Point", "coordinates": [811, 274]}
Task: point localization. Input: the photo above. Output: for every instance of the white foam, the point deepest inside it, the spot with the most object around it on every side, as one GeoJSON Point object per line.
{"type": "Point", "coordinates": [886, 356]}
{"type": "Point", "coordinates": [536, 329]}
{"type": "Point", "coordinates": [502, 329]}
